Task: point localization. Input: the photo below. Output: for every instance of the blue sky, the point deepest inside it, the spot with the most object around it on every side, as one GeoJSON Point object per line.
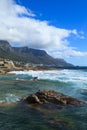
{"type": "Point", "coordinates": [57, 26]}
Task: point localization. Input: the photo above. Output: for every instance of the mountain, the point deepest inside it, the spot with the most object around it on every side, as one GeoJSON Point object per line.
{"type": "Point", "coordinates": [28, 55]}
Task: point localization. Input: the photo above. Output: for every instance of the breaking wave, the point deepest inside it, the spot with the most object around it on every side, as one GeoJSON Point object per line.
{"type": "Point", "coordinates": [56, 75]}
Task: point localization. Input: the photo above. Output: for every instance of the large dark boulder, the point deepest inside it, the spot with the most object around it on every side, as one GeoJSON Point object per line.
{"type": "Point", "coordinates": [50, 96]}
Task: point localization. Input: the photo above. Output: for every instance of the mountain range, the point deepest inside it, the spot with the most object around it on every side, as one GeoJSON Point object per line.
{"type": "Point", "coordinates": [28, 55]}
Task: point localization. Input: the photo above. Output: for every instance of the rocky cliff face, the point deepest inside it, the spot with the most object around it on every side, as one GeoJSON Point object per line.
{"type": "Point", "coordinates": [28, 55]}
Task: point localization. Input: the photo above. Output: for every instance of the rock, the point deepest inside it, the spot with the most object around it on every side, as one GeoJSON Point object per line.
{"type": "Point", "coordinates": [9, 64]}
{"type": "Point", "coordinates": [6, 104]}
{"type": "Point", "coordinates": [2, 72]}
{"type": "Point", "coordinates": [35, 78]}
{"type": "Point", "coordinates": [32, 99]}
{"type": "Point", "coordinates": [51, 96]}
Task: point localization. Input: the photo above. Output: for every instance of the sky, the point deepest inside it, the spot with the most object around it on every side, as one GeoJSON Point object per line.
{"type": "Point", "coordinates": [57, 26]}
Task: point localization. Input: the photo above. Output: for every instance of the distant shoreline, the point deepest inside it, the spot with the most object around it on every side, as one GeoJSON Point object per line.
{"type": "Point", "coordinates": [72, 67]}
{"type": "Point", "coordinates": [5, 72]}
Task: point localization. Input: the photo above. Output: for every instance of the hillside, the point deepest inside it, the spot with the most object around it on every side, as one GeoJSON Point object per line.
{"type": "Point", "coordinates": [28, 55]}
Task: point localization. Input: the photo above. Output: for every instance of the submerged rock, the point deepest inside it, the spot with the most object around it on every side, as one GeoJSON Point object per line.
{"type": "Point", "coordinates": [35, 78]}
{"type": "Point", "coordinates": [51, 96]}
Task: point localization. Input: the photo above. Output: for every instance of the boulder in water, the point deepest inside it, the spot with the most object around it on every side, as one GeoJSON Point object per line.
{"type": "Point", "coordinates": [35, 78]}
{"type": "Point", "coordinates": [51, 96]}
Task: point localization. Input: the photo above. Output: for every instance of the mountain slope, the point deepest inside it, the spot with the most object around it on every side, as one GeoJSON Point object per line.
{"type": "Point", "coordinates": [28, 55]}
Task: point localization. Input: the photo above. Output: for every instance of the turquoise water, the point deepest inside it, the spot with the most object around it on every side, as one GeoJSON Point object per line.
{"type": "Point", "coordinates": [18, 116]}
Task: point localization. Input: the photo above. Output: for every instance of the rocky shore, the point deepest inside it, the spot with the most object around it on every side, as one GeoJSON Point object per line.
{"type": "Point", "coordinates": [51, 96]}
{"type": "Point", "coordinates": [8, 66]}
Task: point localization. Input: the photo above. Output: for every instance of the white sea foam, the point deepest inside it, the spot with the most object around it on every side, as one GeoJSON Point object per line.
{"type": "Point", "coordinates": [58, 75]}
{"type": "Point", "coordinates": [19, 79]}
{"type": "Point", "coordinates": [11, 98]}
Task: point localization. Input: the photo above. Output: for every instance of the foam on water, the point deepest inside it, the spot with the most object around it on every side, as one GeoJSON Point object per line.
{"type": "Point", "coordinates": [21, 116]}
{"type": "Point", "coordinates": [11, 98]}
{"type": "Point", "coordinates": [58, 75]}
{"type": "Point", "coordinates": [74, 78]}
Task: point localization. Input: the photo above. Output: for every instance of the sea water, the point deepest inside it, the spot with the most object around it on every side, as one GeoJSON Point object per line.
{"type": "Point", "coordinates": [17, 116]}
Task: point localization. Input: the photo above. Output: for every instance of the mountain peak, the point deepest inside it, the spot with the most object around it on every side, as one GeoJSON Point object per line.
{"type": "Point", "coordinates": [28, 55]}
{"type": "Point", "coordinates": [4, 42]}
{"type": "Point", "coordinates": [5, 45]}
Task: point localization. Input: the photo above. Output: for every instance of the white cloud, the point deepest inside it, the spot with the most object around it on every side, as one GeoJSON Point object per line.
{"type": "Point", "coordinates": [11, 9]}
{"type": "Point", "coordinates": [66, 53]}
{"type": "Point", "coordinates": [17, 24]}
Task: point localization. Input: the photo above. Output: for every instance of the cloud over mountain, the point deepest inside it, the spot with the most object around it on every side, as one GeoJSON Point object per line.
{"type": "Point", "coordinates": [18, 25]}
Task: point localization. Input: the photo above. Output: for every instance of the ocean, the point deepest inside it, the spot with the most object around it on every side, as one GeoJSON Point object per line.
{"type": "Point", "coordinates": [15, 115]}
